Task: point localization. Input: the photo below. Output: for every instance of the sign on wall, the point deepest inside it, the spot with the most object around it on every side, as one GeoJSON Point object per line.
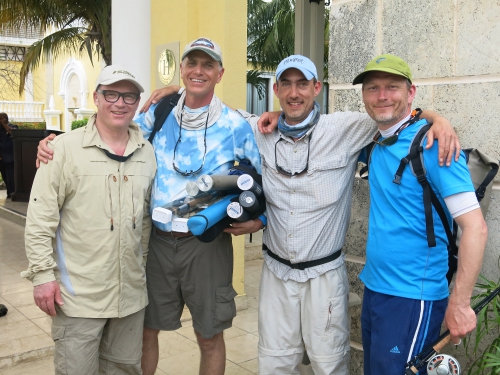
{"type": "Point", "coordinates": [167, 65]}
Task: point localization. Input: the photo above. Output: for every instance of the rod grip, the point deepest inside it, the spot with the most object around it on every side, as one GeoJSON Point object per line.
{"type": "Point", "coordinates": [441, 344]}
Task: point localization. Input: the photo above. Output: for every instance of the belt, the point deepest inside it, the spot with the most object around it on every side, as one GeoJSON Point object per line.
{"type": "Point", "coordinates": [303, 265]}
{"type": "Point", "coordinates": [162, 233]}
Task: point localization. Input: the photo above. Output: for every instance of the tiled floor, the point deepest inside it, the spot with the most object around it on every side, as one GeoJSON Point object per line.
{"type": "Point", "coordinates": [26, 329]}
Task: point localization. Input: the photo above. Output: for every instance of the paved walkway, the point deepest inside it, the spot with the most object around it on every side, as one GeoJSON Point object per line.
{"type": "Point", "coordinates": [26, 346]}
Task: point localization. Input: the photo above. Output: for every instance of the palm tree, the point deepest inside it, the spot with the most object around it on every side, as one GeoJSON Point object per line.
{"type": "Point", "coordinates": [81, 25]}
{"type": "Point", "coordinates": [271, 37]}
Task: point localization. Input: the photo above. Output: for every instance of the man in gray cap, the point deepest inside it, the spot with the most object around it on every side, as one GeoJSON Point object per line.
{"type": "Point", "coordinates": [87, 233]}
{"type": "Point", "coordinates": [200, 136]}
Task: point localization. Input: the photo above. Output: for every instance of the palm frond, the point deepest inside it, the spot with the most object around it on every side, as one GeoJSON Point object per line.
{"type": "Point", "coordinates": [254, 78]}
{"type": "Point", "coordinates": [63, 41]}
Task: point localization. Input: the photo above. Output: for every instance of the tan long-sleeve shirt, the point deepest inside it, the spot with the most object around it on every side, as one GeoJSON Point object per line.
{"type": "Point", "coordinates": [88, 224]}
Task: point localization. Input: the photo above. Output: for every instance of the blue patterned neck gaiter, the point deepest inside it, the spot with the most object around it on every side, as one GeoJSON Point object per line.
{"type": "Point", "coordinates": [297, 131]}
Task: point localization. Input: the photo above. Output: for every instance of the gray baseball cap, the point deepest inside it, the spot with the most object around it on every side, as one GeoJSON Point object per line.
{"type": "Point", "coordinates": [206, 45]}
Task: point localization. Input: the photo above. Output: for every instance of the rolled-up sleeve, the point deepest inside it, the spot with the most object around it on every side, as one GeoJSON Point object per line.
{"type": "Point", "coordinates": [46, 199]}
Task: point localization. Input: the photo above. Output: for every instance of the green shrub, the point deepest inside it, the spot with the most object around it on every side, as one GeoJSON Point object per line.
{"type": "Point", "coordinates": [487, 360]}
{"type": "Point", "coordinates": [30, 125]}
{"type": "Point", "coordinates": [78, 123]}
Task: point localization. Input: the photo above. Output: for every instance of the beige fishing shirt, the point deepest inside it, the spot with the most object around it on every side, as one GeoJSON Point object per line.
{"type": "Point", "coordinates": [88, 223]}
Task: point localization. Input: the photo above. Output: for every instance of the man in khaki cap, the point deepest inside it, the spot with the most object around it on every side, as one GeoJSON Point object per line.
{"type": "Point", "coordinates": [406, 292]}
{"type": "Point", "coordinates": [87, 233]}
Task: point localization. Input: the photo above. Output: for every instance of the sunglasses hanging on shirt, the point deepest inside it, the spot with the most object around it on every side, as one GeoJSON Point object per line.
{"type": "Point", "coordinates": [389, 141]}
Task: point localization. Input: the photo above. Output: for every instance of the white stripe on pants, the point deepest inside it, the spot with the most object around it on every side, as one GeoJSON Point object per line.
{"type": "Point", "coordinates": [313, 313]}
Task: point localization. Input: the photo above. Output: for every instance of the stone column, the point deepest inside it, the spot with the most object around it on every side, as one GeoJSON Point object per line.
{"type": "Point", "coordinates": [309, 34]}
{"type": "Point", "coordinates": [131, 38]}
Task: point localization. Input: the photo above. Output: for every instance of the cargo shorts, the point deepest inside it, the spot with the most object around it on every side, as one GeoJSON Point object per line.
{"type": "Point", "coordinates": [186, 271]}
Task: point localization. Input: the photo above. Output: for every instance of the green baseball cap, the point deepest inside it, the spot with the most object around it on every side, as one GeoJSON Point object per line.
{"type": "Point", "coordinates": [385, 63]}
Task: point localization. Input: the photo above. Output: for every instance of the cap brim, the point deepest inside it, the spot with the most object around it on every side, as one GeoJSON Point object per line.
{"type": "Point", "coordinates": [361, 77]}
{"type": "Point", "coordinates": [111, 81]}
{"type": "Point", "coordinates": [305, 72]}
{"type": "Point", "coordinates": [209, 52]}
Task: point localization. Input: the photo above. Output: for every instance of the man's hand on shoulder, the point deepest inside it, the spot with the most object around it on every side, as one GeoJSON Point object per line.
{"type": "Point", "coordinates": [158, 95]}
{"type": "Point", "coordinates": [44, 153]}
{"type": "Point", "coordinates": [268, 122]}
{"type": "Point", "coordinates": [250, 226]}
{"type": "Point", "coordinates": [46, 295]}
{"type": "Point", "coordinates": [449, 143]}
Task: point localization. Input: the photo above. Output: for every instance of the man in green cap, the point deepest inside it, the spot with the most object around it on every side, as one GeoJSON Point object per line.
{"type": "Point", "coordinates": [406, 291]}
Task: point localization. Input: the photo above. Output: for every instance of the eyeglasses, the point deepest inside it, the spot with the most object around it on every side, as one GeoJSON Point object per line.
{"type": "Point", "coordinates": [112, 96]}
{"type": "Point", "coordinates": [190, 173]}
{"type": "Point", "coordinates": [389, 141]}
{"type": "Point", "coordinates": [284, 172]}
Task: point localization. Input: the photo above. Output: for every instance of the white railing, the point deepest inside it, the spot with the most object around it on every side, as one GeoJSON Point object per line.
{"type": "Point", "coordinates": [22, 111]}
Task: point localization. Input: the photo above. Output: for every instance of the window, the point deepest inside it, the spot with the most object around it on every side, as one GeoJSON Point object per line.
{"type": "Point", "coordinates": [12, 53]}
{"type": "Point", "coordinates": [256, 105]}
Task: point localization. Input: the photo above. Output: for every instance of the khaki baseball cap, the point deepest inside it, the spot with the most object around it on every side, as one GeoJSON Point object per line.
{"type": "Point", "coordinates": [206, 45]}
{"type": "Point", "coordinates": [114, 73]}
{"type": "Point", "coordinates": [385, 63]}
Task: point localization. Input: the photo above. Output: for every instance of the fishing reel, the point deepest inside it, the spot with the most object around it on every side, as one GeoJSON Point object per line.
{"type": "Point", "coordinates": [443, 364]}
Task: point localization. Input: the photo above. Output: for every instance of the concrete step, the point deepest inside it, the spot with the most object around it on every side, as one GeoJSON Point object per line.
{"type": "Point", "coordinates": [8, 361]}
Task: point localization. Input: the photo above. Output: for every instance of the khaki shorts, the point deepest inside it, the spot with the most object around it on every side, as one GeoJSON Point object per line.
{"type": "Point", "coordinates": [313, 314]}
{"type": "Point", "coordinates": [187, 271]}
{"type": "Point", "coordinates": [91, 346]}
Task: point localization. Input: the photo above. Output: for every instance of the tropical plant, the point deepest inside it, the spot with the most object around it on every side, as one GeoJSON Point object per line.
{"type": "Point", "coordinates": [488, 324]}
{"type": "Point", "coordinates": [271, 33]}
{"type": "Point", "coordinates": [80, 25]}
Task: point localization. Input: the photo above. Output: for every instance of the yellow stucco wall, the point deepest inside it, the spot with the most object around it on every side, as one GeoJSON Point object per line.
{"type": "Point", "coordinates": [224, 21]}
{"type": "Point", "coordinates": [91, 72]}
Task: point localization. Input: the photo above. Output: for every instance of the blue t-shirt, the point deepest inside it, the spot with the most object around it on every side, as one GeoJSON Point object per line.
{"type": "Point", "coordinates": [229, 139]}
{"type": "Point", "coordinates": [398, 259]}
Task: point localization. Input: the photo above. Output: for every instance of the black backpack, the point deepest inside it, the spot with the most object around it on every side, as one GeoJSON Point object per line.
{"type": "Point", "coordinates": [162, 111]}
{"type": "Point", "coordinates": [482, 168]}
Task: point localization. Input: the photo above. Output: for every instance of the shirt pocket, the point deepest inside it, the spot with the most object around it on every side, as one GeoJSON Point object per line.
{"type": "Point", "coordinates": [327, 178]}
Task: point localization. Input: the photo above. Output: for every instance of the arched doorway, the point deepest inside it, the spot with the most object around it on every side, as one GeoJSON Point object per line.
{"type": "Point", "coordinates": [73, 89]}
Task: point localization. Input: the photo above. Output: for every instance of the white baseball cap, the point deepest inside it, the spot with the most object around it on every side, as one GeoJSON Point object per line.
{"type": "Point", "coordinates": [114, 73]}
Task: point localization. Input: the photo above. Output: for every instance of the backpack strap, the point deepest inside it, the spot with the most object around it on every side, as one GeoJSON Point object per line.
{"type": "Point", "coordinates": [364, 171]}
{"type": "Point", "coordinates": [481, 189]}
{"type": "Point", "coordinates": [162, 111]}
{"type": "Point", "coordinates": [415, 159]}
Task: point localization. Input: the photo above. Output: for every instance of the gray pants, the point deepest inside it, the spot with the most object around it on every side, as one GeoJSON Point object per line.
{"type": "Point", "coordinates": [97, 346]}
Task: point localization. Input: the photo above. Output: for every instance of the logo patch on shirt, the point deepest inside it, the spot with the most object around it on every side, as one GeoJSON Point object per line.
{"type": "Point", "coordinates": [395, 350]}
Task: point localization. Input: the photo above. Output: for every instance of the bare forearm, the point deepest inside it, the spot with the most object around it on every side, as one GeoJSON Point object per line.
{"type": "Point", "coordinates": [470, 260]}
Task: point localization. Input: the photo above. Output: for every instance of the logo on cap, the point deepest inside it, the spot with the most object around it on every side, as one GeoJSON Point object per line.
{"type": "Point", "coordinates": [203, 43]}
{"type": "Point", "coordinates": [380, 59]}
{"type": "Point", "coordinates": [123, 72]}
{"type": "Point", "coordinates": [294, 59]}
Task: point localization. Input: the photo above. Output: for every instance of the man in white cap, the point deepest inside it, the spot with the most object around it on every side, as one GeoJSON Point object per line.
{"type": "Point", "coordinates": [87, 233]}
